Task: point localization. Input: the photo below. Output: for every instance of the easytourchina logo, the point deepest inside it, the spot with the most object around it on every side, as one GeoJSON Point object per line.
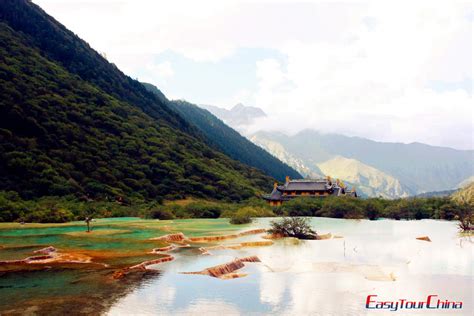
{"type": "Point", "coordinates": [431, 302]}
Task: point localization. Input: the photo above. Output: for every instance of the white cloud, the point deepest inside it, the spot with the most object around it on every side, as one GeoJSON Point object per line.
{"type": "Point", "coordinates": [164, 69]}
{"type": "Point", "coordinates": [360, 67]}
{"type": "Point", "coordinates": [374, 83]}
{"type": "Point", "coordinates": [243, 96]}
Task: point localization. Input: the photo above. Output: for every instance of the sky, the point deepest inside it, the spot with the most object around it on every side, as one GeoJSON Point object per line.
{"type": "Point", "coordinates": [398, 71]}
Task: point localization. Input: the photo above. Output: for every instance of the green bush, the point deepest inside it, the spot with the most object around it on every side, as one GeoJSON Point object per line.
{"type": "Point", "coordinates": [245, 214]}
{"type": "Point", "coordinates": [67, 208]}
{"type": "Point", "coordinates": [251, 211]}
{"type": "Point", "coordinates": [203, 210]}
{"type": "Point", "coordinates": [298, 227]}
{"type": "Point", "coordinates": [49, 216]}
{"type": "Point", "coordinates": [240, 218]}
{"type": "Point", "coordinates": [342, 207]}
{"type": "Point", "coordinates": [373, 208]}
{"type": "Point", "coordinates": [161, 213]}
{"type": "Point", "coordinates": [465, 215]}
{"type": "Point", "coordinates": [304, 206]}
{"type": "Point", "coordinates": [410, 208]}
{"type": "Point", "coordinates": [447, 211]}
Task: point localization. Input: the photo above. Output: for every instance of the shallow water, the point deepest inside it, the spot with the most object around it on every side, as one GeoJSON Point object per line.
{"type": "Point", "coordinates": [322, 277]}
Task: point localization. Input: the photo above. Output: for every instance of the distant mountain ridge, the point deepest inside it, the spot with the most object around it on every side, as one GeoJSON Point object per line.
{"type": "Point", "coordinates": [369, 180]}
{"type": "Point", "coordinates": [402, 169]}
{"type": "Point", "coordinates": [71, 123]}
{"type": "Point", "coordinates": [418, 168]}
{"type": "Point", "coordinates": [466, 182]}
{"type": "Point", "coordinates": [238, 116]}
{"type": "Point", "coordinates": [279, 151]}
{"type": "Point", "coordinates": [228, 140]}
{"type": "Point", "coordinates": [444, 193]}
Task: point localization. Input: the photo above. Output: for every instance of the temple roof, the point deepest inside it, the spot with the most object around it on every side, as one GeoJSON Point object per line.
{"type": "Point", "coordinates": [285, 192]}
{"type": "Point", "coordinates": [276, 195]}
{"type": "Point", "coordinates": [306, 185]}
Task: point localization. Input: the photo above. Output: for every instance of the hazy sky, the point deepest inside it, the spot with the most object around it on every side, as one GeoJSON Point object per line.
{"type": "Point", "coordinates": [386, 70]}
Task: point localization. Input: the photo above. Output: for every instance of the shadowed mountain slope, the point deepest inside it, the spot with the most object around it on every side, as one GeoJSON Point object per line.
{"type": "Point", "coordinates": [72, 123]}
{"type": "Point", "coordinates": [229, 141]}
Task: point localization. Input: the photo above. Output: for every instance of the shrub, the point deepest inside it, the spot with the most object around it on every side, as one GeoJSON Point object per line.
{"type": "Point", "coordinates": [248, 210]}
{"type": "Point", "coordinates": [203, 210]}
{"type": "Point", "coordinates": [298, 227]}
{"type": "Point", "coordinates": [465, 215]}
{"type": "Point", "coordinates": [373, 209]}
{"type": "Point", "coordinates": [447, 211]}
{"type": "Point", "coordinates": [244, 215]}
{"type": "Point", "coordinates": [411, 208]}
{"type": "Point", "coordinates": [304, 206]}
{"type": "Point", "coordinates": [342, 207]}
{"type": "Point", "coordinates": [161, 213]}
{"type": "Point", "coordinates": [240, 218]}
{"type": "Point", "coordinates": [49, 216]}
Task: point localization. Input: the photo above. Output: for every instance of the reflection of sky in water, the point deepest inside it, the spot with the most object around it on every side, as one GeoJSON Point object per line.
{"type": "Point", "coordinates": [289, 281]}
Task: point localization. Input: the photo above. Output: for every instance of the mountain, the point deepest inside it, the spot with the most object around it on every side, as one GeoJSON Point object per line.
{"type": "Point", "coordinates": [406, 169]}
{"type": "Point", "coordinates": [417, 167]}
{"type": "Point", "coordinates": [460, 187]}
{"type": "Point", "coordinates": [73, 123]}
{"type": "Point", "coordinates": [465, 182]}
{"type": "Point", "coordinates": [279, 151]}
{"type": "Point", "coordinates": [444, 193]}
{"type": "Point", "coordinates": [465, 195]}
{"type": "Point", "coordinates": [227, 140]}
{"type": "Point", "coordinates": [369, 180]}
{"type": "Point", "coordinates": [237, 117]}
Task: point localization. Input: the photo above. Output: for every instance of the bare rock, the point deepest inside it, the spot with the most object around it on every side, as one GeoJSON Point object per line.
{"type": "Point", "coordinates": [425, 238]}
{"type": "Point", "coordinates": [323, 237]}
{"type": "Point", "coordinates": [45, 251]}
{"type": "Point", "coordinates": [177, 238]}
{"type": "Point", "coordinates": [224, 237]}
{"type": "Point", "coordinates": [164, 249]}
{"type": "Point", "coordinates": [141, 266]}
{"type": "Point", "coordinates": [226, 270]}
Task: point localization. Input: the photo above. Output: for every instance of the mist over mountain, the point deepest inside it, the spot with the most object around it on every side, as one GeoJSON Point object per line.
{"type": "Point", "coordinates": [73, 123]}
{"type": "Point", "coordinates": [418, 167]}
{"type": "Point", "coordinates": [377, 168]}
{"type": "Point", "coordinates": [238, 117]}
{"type": "Point", "coordinates": [279, 151]}
{"type": "Point", "coordinates": [227, 140]}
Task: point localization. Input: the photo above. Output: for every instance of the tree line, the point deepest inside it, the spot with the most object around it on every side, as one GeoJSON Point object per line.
{"type": "Point", "coordinates": [68, 208]}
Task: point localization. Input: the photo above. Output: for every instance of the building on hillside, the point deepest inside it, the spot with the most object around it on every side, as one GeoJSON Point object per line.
{"type": "Point", "coordinates": [307, 188]}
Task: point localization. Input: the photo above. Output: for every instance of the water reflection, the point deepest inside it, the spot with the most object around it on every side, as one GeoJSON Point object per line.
{"type": "Point", "coordinates": [329, 277]}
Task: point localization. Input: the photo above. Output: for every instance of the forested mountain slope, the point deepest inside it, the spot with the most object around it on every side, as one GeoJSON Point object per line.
{"type": "Point", "coordinates": [228, 140]}
{"type": "Point", "coordinates": [72, 123]}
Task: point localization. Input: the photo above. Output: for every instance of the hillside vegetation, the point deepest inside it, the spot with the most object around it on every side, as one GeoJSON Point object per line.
{"type": "Point", "coordinates": [232, 143]}
{"type": "Point", "coordinates": [465, 195]}
{"type": "Point", "coordinates": [72, 124]}
{"type": "Point", "coordinates": [67, 208]}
